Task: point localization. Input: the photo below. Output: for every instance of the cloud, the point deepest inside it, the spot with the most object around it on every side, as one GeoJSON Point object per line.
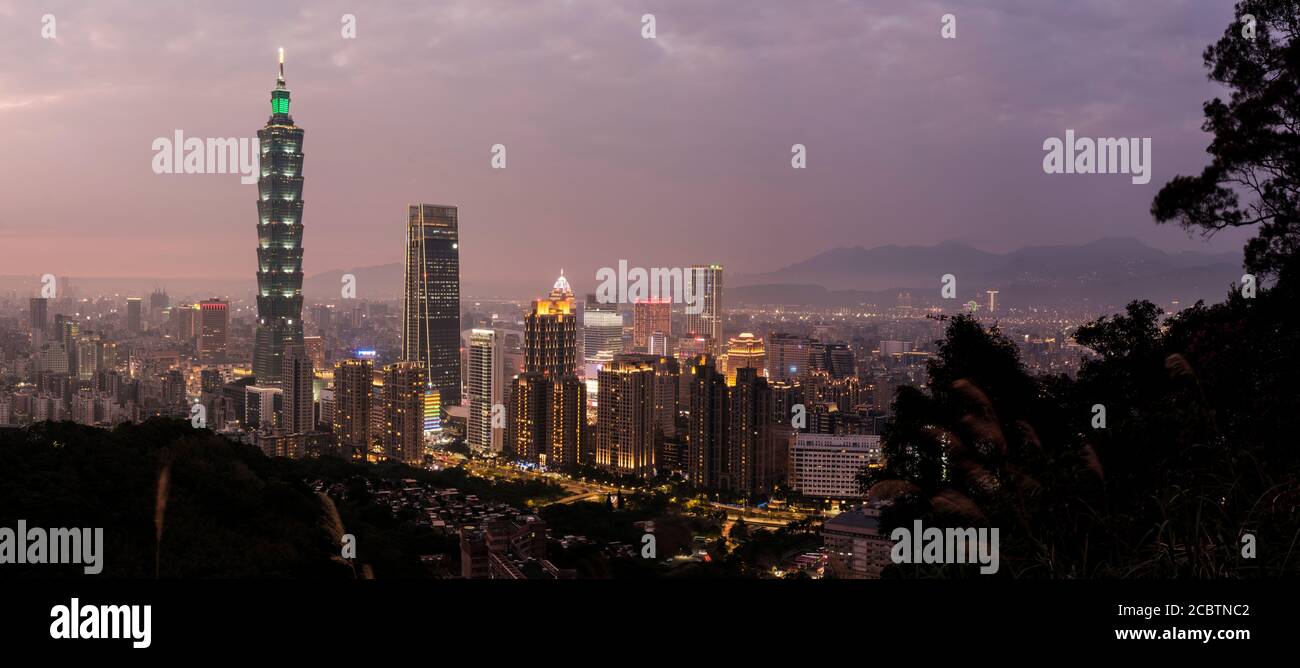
{"type": "Point", "coordinates": [665, 151]}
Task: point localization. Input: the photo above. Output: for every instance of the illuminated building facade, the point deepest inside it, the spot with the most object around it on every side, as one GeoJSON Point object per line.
{"type": "Point", "coordinates": [279, 235]}
{"type": "Point", "coordinates": [745, 352]}
{"type": "Point", "coordinates": [89, 355]}
{"type": "Point", "coordinates": [529, 417]}
{"type": "Point", "coordinates": [602, 329]}
{"type": "Point", "coordinates": [407, 395]}
{"type": "Point", "coordinates": [626, 424]}
{"type": "Point", "coordinates": [650, 316]}
{"type": "Point", "coordinates": [827, 465]}
{"type": "Point", "coordinates": [551, 333]}
{"type": "Point", "coordinates": [315, 347]}
{"type": "Point", "coordinates": [568, 421]}
{"type": "Point", "coordinates": [185, 319]}
{"type": "Point", "coordinates": [431, 304]}
{"type": "Point", "coordinates": [667, 389]}
{"type": "Point", "coordinates": [352, 380]}
{"type": "Point", "coordinates": [548, 405]}
{"type": "Point", "coordinates": [431, 400]}
{"type": "Point", "coordinates": [707, 323]}
{"type": "Point", "coordinates": [485, 387]}
{"type": "Point", "coordinates": [789, 356]}
{"type": "Point", "coordinates": [691, 347]}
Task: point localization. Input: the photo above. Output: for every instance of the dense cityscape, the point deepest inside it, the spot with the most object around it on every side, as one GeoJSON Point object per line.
{"type": "Point", "coordinates": [784, 366]}
{"type": "Point", "coordinates": [853, 325]}
{"type": "Point", "coordinates": [746, 415]}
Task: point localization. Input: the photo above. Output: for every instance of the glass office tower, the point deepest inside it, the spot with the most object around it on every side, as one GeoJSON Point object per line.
{"type": "Point", "coordinates": [431, 307]}
{"type": "Point", "coordinates": [279, 234]}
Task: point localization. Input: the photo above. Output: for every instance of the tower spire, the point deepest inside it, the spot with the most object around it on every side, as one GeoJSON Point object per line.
{"type": "Point", "coordinates": [280, 96]}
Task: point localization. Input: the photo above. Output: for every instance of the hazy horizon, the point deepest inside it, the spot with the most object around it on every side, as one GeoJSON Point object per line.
{"type": "Point", "coordinates": [663, 152]}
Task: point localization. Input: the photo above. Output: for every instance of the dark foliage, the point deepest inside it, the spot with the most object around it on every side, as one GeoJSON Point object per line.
{"type": "Point", "coordinates": [1198, 447]}
{"type": "Point", "coordinates": [230, 511]}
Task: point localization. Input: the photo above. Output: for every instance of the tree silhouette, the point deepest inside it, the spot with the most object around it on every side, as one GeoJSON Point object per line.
{"type": "Point", "coordinates": [1255, 152]}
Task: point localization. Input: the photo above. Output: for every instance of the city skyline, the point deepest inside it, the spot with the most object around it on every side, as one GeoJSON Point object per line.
{"type": "Point", "coordinates": [647, 296]}
{"type": "Point", "coordinates": [746, 163]}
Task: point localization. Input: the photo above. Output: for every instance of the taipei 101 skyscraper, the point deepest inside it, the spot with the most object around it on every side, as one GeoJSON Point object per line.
{"type": "Point", "coordinates": [279, 236]}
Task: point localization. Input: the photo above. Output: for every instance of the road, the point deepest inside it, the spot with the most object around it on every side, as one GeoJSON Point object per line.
{"type": "Point", "coordinates": [579, 490]}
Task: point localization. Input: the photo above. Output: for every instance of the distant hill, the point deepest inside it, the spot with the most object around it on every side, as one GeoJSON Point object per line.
{"type": "Point", "coordinates": [382, 281]}
{"type": "Point", "coordinates": [1107, 271]}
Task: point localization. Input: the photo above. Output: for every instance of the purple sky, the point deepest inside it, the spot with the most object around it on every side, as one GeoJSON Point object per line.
{"type": "Point", "coordinates": [663, 152]}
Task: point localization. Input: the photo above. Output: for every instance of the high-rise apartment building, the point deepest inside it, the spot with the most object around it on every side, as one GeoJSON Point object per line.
{"type": "Point", "coordinates": [568, 422]}
{"type": "Point", "coordinates": [667, 389]}
{"type": "Point", "coordinates": [315, 347]}
{"type": "Point", "coordinates": [134, 318]}
{"type": "Point", "coordinates": [485, 389]}
{"type": "Point", "coordinates": [551, 333]}
{"type": "Point", "coordinates": [352, 380]}
{"type": "Point", "coordinates": [788, 356]}
{"type": "Point", "coordinates": [89, 355]}
{"type": "Point", "coordinates": [659, 344]}
{"type": "Point", "coordinates": [260, 407]}
{"type": "Point", "coordinates": [529, 417]}
{"type": "Point", "coordinates": [827, 465]}
{"type": "Point", "coordinates": [214, 326]}
{"type": "Point", "coordinates": [751, 448]}
{"type": "Point", "coordinates": [706, 431]}
{"type": "Point", "coordinates": [52, 358]}
{"type": "Point", "coordinates": [650, 316]}
{"type": "Point", "coordinates": [626, 423]}
{"type": "Point", "coordinates": [67, 329]}
{"type": "Point", "coordinates": [299, 415]}
{"type": "Point", "coordinates": [39, 314]}
{"type": "Point", "coordinates": [322, 316]}
{"type": "Point", "coordinates": [548, 405]}
{"type": "Point", "coordinates": [431, 304]}
{"type": "Point", "coordinates": [836, 359]}
{"type": "Point", "coordinates": [279, 238]}
{"type": "Point", "coordinates": [405, 389]}
{"type": "Point", "coordinates": [185, 323]}
{"type": "Point", "coordinates": [708, 322]}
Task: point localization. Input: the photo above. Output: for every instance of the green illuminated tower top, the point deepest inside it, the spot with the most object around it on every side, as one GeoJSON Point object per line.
{"type": "Point", "coordinates": [280, 96]}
